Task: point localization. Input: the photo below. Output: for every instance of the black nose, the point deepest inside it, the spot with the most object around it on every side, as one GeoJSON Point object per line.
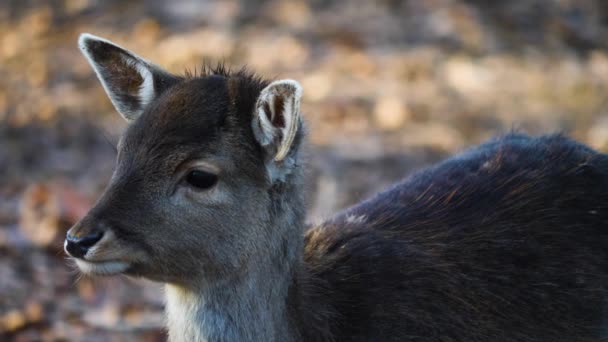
{"type": "Point", "coordinates": [79, 246]}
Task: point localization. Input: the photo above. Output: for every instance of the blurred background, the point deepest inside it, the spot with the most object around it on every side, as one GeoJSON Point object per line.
{"type": "Point", "coordinates": [390, 87]}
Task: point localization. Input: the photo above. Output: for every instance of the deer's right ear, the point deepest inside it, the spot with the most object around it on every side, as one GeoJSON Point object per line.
{"type": "Point", "coordinates": [130, 81]}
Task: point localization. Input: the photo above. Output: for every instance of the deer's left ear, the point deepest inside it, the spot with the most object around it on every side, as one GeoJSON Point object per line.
{"type": "Point", "coordinates": [276, 120]}
{"type": "Point", "coordinates": [130, 81]}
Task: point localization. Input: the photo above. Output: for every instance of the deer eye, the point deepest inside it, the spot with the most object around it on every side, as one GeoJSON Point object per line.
{"type": "Point", "coordinates": [201, 179]}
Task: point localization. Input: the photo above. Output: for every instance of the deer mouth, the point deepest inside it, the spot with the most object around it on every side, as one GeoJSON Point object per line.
{"type": "Point", "coordinates": [102, 268]}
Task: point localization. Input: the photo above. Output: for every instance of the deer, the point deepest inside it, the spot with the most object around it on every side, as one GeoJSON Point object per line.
{"type": "Point", "coordinates": [506, 241]}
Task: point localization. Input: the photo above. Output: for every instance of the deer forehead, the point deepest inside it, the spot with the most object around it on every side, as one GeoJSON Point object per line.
{"type": "Point", "coordinates": [192, 113]}
{"type": "Point", "coordinates": [195, 119]}
{"type": "Point", "coordinates": [204, 102]}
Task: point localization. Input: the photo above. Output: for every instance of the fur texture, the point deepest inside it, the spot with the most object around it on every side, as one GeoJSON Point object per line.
{"type": "Point", "coordinates": [504, 242]}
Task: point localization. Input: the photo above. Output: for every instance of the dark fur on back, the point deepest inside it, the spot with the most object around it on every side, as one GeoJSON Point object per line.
{"type": "Point", "coordinates": [505, 242]}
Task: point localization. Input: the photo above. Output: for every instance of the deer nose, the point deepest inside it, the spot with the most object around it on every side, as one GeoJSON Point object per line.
{"type": "Point", "coordinates": [78, 246]}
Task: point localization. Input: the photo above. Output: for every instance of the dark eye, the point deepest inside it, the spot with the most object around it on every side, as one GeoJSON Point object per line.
{"type": "Point", "coordinates": [201, 179]}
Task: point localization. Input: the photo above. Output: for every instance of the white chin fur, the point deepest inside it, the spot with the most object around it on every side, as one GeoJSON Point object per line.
{"type": "Point", "coordinates": [101, 268]}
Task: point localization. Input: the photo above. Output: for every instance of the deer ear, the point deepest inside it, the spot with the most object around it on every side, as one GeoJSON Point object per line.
{"type": "Point", "coordinates": [130, 81]}
{"type": "Point", "coordinates": [277, 118]}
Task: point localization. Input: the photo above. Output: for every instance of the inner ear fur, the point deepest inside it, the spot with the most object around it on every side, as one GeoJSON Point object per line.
{"type": "Point", "coordinates": [277, 117]}
{"type": "Point", "coordinates": [130, 81]}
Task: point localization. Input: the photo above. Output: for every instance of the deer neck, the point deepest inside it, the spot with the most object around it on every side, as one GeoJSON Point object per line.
{"type": "Point", "coordinates": [252, 306]}
{"type": "Point", "coordinates": [250, 309]}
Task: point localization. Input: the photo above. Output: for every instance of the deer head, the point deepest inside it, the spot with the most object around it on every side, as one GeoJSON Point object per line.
{"type": "Point", "coordinates": [206, 176]}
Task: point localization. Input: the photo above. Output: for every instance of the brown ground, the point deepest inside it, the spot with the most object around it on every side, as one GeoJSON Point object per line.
{"type": "Point", "coordinates": [390, 86]}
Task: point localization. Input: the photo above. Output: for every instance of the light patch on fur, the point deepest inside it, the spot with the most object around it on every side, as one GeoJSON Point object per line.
{"type": "Point", "coordinates": [250, 309]}
{"type": "Point", "coordinates": [181, 311]}
{"type": "Point", "coordinates": [355, 218]}
{"type": "Point", "coordinates": [146, 89]}
{"type": "Point", "coordinates": [101, 268]}
{"type": "Point", "coordinates": [195, 317]}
